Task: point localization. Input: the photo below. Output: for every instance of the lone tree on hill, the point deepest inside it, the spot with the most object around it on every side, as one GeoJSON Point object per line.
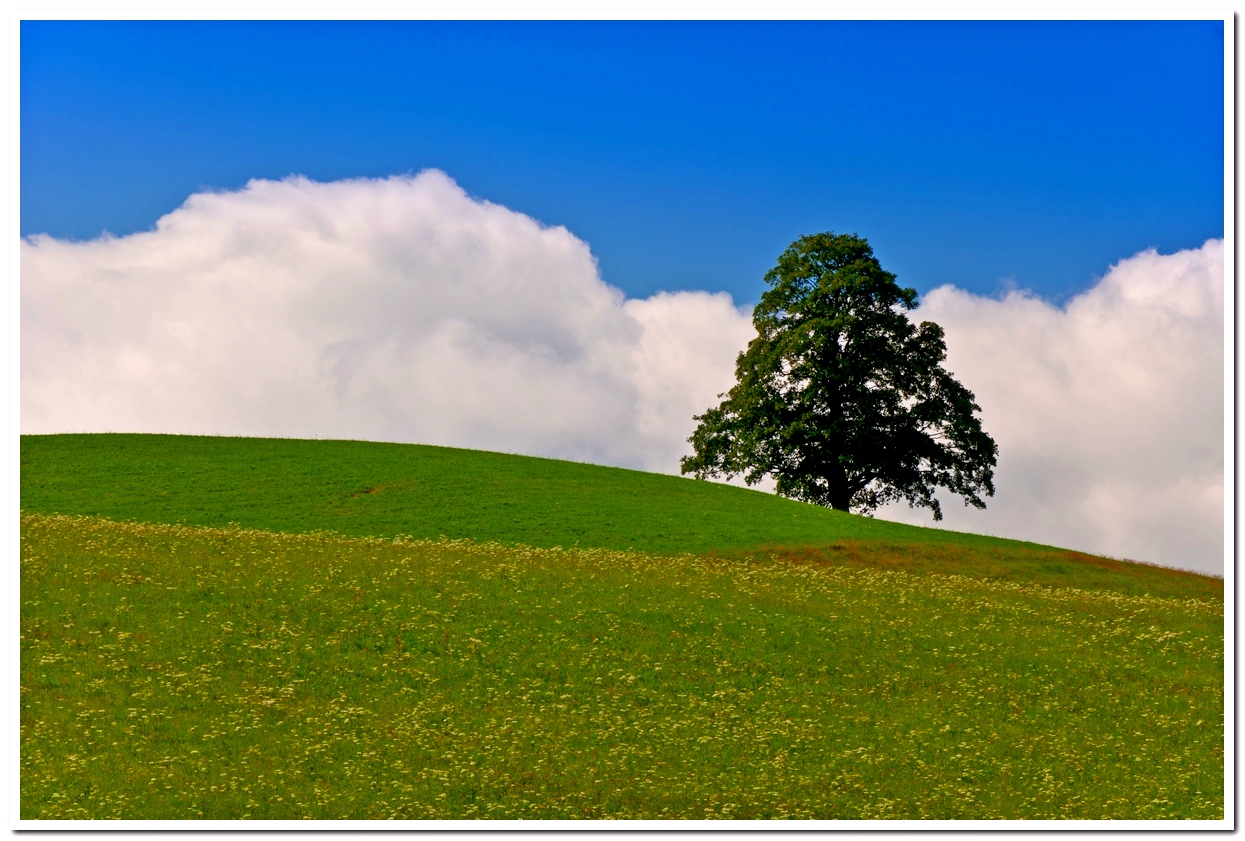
{"type": "Point", "coordinates": [840, 397]}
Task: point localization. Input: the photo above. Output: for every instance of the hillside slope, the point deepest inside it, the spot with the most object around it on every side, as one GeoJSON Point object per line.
{"type": "Point", "coordinates": [365, 488]}
{"type": "Point", "coordinates": [760, 658]}
{"type": "Point", "coordinates": [384, 490]}
{"type": "Point", "coordinates": [185, 672]}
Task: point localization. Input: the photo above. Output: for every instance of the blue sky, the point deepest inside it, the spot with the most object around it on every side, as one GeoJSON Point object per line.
{"type": "Point", "coordinates": [687, 154]}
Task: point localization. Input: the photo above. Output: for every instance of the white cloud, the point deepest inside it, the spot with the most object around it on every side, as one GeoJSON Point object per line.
{"type": "Point", "coordinates": [1108, 412]}
{"type": "Point", "coordinates": [397, 309]}
{"type": "Point", "coordinates": [403, 310]}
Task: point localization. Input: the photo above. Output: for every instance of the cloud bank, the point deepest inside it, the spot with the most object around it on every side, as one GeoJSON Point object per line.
{"type": "Point", "coordinates": [396, 310]}
{"type": "Point", "coordinates": [1108, 412]}
{"type": "Point", "coordinates": [402, 309]}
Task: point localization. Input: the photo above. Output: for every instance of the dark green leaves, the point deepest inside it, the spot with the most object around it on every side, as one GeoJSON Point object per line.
{"type": "Point", "coordinates": [841, 398]}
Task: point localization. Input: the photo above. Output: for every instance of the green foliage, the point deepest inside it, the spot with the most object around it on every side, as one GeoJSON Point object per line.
{"type": "Point", "coordinates": [841, 398]}
{"type": "Point", "coordinates": [170, 672]}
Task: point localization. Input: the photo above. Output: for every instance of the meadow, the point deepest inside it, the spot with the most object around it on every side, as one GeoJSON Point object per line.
{"type": "Point", "coordinates": [181, 670]}
{"type": "Point", "coordinates": [368, 489]}
{"type": "Point", "coordinates": [372, 489]}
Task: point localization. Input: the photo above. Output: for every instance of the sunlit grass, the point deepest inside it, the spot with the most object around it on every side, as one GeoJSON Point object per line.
{"type": "Point", "coordinates": [179, 672]}
{"type": "Point", "coordinates": [369, 489]}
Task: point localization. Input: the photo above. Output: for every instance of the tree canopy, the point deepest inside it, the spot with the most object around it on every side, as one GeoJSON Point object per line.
{"type": "Point", "coordinates": [841, 398]}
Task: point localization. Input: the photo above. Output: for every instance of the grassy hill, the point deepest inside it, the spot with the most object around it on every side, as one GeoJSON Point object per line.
{"type": "Point", "coordinates": [384, 490]}
{"type": "Point", "coordinates": [364, 488]}
{"type": "Point", "coordinates": [705, 652]}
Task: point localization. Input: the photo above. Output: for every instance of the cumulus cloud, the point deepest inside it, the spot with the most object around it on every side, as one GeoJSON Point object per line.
{"type": "Point", "coordinates": [398, 309]}
{"type": "Point", "coordinates": [402, 309]}
{"type": "Point", "coordinates": [1108, 412]}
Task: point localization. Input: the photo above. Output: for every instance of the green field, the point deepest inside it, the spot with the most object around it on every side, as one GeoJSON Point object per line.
{"type": "Point", "coordinates": [369, 489]}
{"type": "Point", "coordinates": [385, 490]}
{"type": "Point", "coordinates": [327, 656]}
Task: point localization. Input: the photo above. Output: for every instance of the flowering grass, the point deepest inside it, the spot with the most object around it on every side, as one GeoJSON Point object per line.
{"type": "Point", "coordinates": [368, 489]}
{"type": "Point", "coordinates": [170, 671]}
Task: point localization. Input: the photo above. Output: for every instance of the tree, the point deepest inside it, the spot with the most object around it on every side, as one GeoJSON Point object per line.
{"type": "Point", "coordinates": [840, 397]}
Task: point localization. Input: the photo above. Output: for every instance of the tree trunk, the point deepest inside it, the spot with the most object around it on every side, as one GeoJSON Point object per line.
{"type": "Point", "coordinates": [840, 495]}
